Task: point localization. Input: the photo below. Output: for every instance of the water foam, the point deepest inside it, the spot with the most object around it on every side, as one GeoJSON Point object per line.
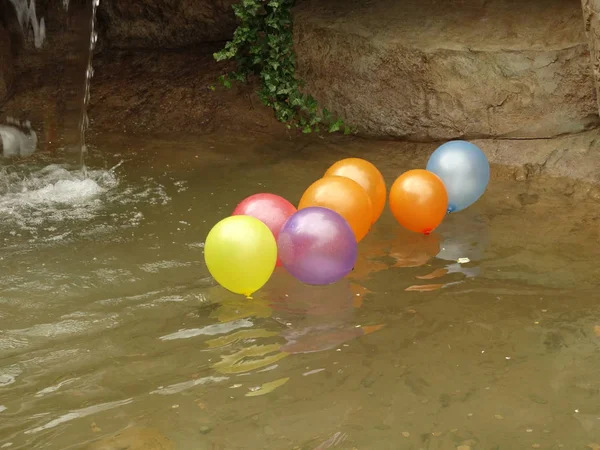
{"type": "Point", "coordinates": [52, 185]}
{"type": "Point", "coordinates": [56, 201]}
{"type": "Point", "coordinates": [30, 198]}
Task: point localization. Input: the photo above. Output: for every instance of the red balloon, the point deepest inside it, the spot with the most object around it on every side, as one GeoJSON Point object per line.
{"type": "Point", "coordinates": [270, 209]}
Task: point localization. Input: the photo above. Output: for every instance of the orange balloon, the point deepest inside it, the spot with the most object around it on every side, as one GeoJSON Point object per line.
{"type": "Point", "coordinates": [345, 197]}
{"type": "Point", "coordinates": [419, 201]}
{"type": "Point", "coordinates": [369, 178]}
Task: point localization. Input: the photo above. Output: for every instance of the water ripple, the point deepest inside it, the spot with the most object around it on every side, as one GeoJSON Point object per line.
{"type": "Point", "coordinates": [210, 330]}
{"type": "Point", "coordinates": [77, 414]}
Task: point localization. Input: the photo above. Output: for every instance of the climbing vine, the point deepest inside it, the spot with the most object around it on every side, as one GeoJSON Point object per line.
{"type": "Point", "coordinates": [262, 46]}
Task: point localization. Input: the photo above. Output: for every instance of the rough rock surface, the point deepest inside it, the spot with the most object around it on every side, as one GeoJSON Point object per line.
{"type": "Point", "coordinates": [423, 69]}
{"type": "Point", "coordinates": [165, 23]}
{"type": "Point", "coordinates": [591, 17]}
{"type": "Point", "coordinates": [575, 156]}
{"type": "Point", "coordinates": [5, 63]}
{"type": "Point", "coordinates": [134, 92]}
{"type": "Point", "coordinates": [7, 47]}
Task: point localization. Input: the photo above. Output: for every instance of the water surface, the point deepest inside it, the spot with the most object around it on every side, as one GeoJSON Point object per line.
{"type": "Point", "coordinates": [113, 335]}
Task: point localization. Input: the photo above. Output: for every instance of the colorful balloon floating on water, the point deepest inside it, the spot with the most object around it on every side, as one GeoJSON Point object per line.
{"type": "Point", "coordinates": [465, 171]}
{"type": "Point", "coordinates": [317, 246]}
{"type": "Point", "coordinates": [419, 201]}
{"type": "Point", "coordinates": [317, 243]}
{"type": "Point", "coordinates": [240, 253]}
{"type": "Point", "coordinates": [367, 176]}
{"type": "Point", "coordinates": [270, 209]}
{"type": "Point", "coordinates": [344, 196]}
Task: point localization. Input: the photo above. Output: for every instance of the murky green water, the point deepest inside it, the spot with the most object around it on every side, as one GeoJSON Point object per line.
{"type": "Point", "coordinates": [109, 321]}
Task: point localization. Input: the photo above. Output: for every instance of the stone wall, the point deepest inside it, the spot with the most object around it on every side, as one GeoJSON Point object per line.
{"type": "Point", "coordinates": [6, 66]}
{"type": "Point", "coordinates": [429, 70]}
{"type": "Point", "coordinates": [165, 23]}
{"type": "Point", "coordinates": [8, 44]}
{"type": "Point", "coordinates": [591, 18]}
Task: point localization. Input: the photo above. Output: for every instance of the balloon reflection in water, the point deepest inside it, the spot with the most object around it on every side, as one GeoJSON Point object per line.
{"type": "Point", "coordinates": [464, 236]}
{"type": "Point", "coordinates": [413, 250]}
{"type": "Point", "coordinates": [317, 318]}
{"type": "Point", "coordinates": [238, 318]}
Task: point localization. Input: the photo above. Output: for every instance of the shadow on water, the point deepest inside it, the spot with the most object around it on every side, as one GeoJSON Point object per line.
{"type": "Point", "coordinates": [484, 334]}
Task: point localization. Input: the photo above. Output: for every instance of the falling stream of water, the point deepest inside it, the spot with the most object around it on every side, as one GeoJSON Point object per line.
{"type": "Point", "coordinates": [27, 17]}
{"type": "Point", "coordinates": [89, 73]}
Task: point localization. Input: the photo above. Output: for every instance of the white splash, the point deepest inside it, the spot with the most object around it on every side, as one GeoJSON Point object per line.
{"type": "Point", "coordinates": [57, 202]}
{"type": "Point", "coordinates": [50, 185]}
{"type": "Point", "coordinates": [31, 197]}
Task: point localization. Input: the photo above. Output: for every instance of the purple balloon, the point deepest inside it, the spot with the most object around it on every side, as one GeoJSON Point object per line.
{"type": "Point", "coordinates": [317, 246]}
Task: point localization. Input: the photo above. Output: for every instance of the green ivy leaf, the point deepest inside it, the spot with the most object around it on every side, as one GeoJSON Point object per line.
{"type": "Point", "coordinates": [335, 126]}
{"type": "Point", "coordinates": [263, 45]}
{"type": "Point", "coordinates": [225, 81]}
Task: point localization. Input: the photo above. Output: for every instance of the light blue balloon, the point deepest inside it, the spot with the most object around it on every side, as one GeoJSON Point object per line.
{"type": "Point", "coordinates": [465, 171]}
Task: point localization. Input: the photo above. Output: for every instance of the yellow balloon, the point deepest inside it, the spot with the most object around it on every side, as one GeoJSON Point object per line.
{"type": "Point", "coordinates": [240, 253]}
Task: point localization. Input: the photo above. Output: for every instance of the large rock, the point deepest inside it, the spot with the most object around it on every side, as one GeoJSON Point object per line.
{"type": "Point", "coordinates": [426, 70]}
{"type": "Point", "coordinates": [166, 23]}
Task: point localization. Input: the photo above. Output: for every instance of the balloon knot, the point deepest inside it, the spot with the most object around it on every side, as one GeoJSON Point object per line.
{"type": "Point", "coordinates": [427, 231]}
{"type": "Point", "coordinates": [249, 296]}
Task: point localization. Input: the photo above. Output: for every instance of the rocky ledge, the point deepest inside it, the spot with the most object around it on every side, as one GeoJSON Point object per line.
{"type": "Point", "coordinates": [426, 70]}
